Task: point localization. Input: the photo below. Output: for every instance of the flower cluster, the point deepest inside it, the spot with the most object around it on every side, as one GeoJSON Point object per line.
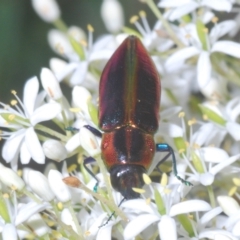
{"type": "Point", "coordinates": [195, 54]}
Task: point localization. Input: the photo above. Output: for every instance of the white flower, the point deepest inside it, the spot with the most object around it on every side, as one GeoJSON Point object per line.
{"type": "Point", "coordinates": [23, 139]}
{"type": "Point", "coordinates": [183, 7]}
{"type": "Point", "coordinates": [204, 48]}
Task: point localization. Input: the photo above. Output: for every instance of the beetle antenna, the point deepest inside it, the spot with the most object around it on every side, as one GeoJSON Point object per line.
{"type": "Point", "coordinates": [112, 214]}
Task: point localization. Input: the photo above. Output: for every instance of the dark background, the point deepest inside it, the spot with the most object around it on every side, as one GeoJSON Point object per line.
{"type": "Point", "coordinates": [23, 36]}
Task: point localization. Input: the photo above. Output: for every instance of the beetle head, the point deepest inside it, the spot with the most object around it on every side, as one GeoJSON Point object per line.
{"type": "Point", "coordinates": [125, 177]}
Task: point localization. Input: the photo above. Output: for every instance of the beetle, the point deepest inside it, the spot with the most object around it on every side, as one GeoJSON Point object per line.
{"type": "Point", "coordinates": [129, 102]}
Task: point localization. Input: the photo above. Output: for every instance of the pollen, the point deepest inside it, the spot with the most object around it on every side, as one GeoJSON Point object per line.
{"type": "Point", "coordinates": [142, 14]}
{"type": "Point", "coordinates": [87, 233]}
{"type": "Point", "coordinates": [181, 114]}
{"type": "Point", "coordinates": [133, 19]}
{"type": "Point", "coordinates": [236, 181]}
{"type": "Point", "coordinates": [14, 92]}
{"type": "Point", "coordinates": [11, 117]}
{"type": "Point", "coordinates": [72, 167]}
{"type": "Point", "coordinates": [90, 28]}
{"type": "Point", "coordinates": [205, 117]}
{"type": "Point", "coordinates": [182, 150]}
{"type": "Point", "coordinates": [60, 206]}
{"type": "Point", "coordinates": [20, 173]}
{"type": "Point", "coordinates": [75, 110]}
{"type": "Point", "coordinates": [192, 122]}
{"type": "Point", "coordinates": [164, 180]}
{"type": "Point", "coordinates": [14, 102]}
{"type": "Point", "coordinates": [205, 30]}
{"type": "Point", "coordinates": [138, 190]}
{"type": "Point", "coordinates": [83, 43]}
{"type": "Point", "coordinates": [59, 48]}
{"type": "Point", "coordinates": [148, 201]}
{"type": "Point", "coordinates": [147, 180]}
{"type": "Point", "coordinates": [232, 191]}
{"type": "Point", "coordinates": [6, 195]}
{"type": "Point", "coordinates": [215, 19]}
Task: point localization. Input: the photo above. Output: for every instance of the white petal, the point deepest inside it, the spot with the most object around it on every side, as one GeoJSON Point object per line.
{"type": "Point", "coordinates": [12, 145]}
{"type": "Point", "coordinates": [66, 217]}
{"type": "Point", "coordinates": [234, 129]}
{"type": "Point", "coordinates": [228, 204]}
{"type": "Point", "coordinates": [170, 112]}
{"type": "Point", "coordinates": [10, 178]}
{"type": "Point", "coordinates": [204, 69]}
{"type": "Point", "coordinates": [54, 150]}
{"type": "Point", "coordinates": [216, 235]}
{"type": "Point", "coordinates": [181, 55]}
{"type": "Point", "coordinates": [183, 10]}
{"type": "Point", "coordinates": [80, 98]}
{"type": "Point", "coordinates": [171, 130]}
{"type": "Point", "coordinates": [37, 224]}
{"type": "Point", "coordinates": [206, 179]}
{"type": "Point", "coordinates": [236, 229]}
{"type": "Point", "coordinates": [105, 233]}
{"type": "Point", "coordinates": [220, 29]}
{"type": "Point", "coordinates": [207, 217]}
{"type": "Point", "coordinates": [233, 108]}
{"type": "Point", "coordinates": [214, 170]}
{"type": "Point", "coordinates": [138, 224]}
{"type": "Point", "coordinates": [9, 232]}
{"type": "Point", "coordinates": [138, 205]}
{"type": "Point", "coordinates": [212, 154]}
{"type": "Point", "coordinates": [112, 15]}
{"type": "Point", "coordinates": [48, 10]}
{"type": "Point", "coordinates": [173, 3]}
{"type": "Point", "coordinates": [46, 112]}
{"type": "Point", "coordinates": [27, 210]}
{"type": "Point", "coordinates": [50, 84]}
{"type": "Point", "coordinates": [89, 142]}
{"type": "Point", "coordinates": [79, 74]}
{"type": "Point", "coordinates": [73, 143]}
{"type": "Point", "coordinates": [30, 94]}
{"type": "Point", "coordinates": [61, 68]}
{"type": "Point", "coordinates": [42, 188]}
{"type": "Point", "coordinates": [227, 47]}
{"type": "Point", "coordinates": [25, 155]}
{"type": "Point", "coordinates": [57, 185]}
{"type": "Point", "coordinates": [218, 5]}
{"type": "Point", "coordinates": [189, 206]}
{"type": "Point", "coordinates": [34, 146]}
{"type": "Point", "coordinates": [167, 228]}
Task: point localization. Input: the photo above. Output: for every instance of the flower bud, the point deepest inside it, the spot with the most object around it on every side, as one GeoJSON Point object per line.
{"type": "Point", "coordinates": [112, 15]}
{"type": "Point", "coordinates": [10, 178]}
{"type": "Point", "coordinates": [57, 185]}
{"type": "Point", "coordinates": [39, 184]}
{"type": "Point", "coordinates": [50, 84]}
{"type": "Point", "coordinates": [48, 10]}
{"type": "Point", "coordinates": [54, 150]}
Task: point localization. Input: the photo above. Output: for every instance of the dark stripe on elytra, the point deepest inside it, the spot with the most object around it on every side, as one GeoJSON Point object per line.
{"type": "Point", "coordinates": [128, 146]}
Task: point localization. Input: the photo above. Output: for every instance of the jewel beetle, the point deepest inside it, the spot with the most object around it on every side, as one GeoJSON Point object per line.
{"type": "Point", "coordinates": [129, 102]}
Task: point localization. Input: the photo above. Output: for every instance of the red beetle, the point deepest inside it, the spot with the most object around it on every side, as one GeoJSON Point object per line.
{"type": "Point", "coordinates": [129, 99]}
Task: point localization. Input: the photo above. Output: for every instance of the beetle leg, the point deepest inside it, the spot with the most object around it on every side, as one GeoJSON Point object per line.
{"type": "Point", "coordinates": [87, 161]}
{"type": "Point", "coordinates": [163, 147]}
{"type": "Point", "coordinates": [93, 130]}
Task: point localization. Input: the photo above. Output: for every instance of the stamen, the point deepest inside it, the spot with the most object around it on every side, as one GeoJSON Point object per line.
{"type": "Point", "coordinates": [232, 191]}
{"type": "Point", "coordinates": [13, 102]}
{"type": "Point", "coordinates": [236, 181]}
{"type": "Point", "coordinates": [60, 205]}
{"type": "Point", "coordinates": [75, 110]}
{"type": "Point", "coordinates": [164, 180]}
{"type": "Point", "coordinates": [11, 117]}
{"type": "Point", "coordinates": [215, 19]}
{"type": "Point", "coordinates": [138, 190]}
{"type": "Point", "coordinates": [90, 36]}
{"type": "Point", "coordinates": [72, 168]}
{"type": "Point", "coordinates": [181, 114]}
{"type": "Point", "coordinates": [144, 21]}
{"type": "Point", "coordinates": [134, 20]}
{"type": "Point", "coordinates": [14, 92]}
{"type": "Point", "coordinates": [147, 180]}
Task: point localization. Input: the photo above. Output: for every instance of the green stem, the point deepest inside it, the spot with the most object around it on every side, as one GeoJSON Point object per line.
{"type": "Point", "coordinates": [51, 132]}
{"type": "Point", "coordinates": [32, 196]}
{"type": "Point", "coordinates": [79, 230]}
{"type": "Point", "coordinates": [211, 196]}
{"type": "Point", "coordinates": [165, 23]}
{"type": "Point", "coordinates": [59, 24]}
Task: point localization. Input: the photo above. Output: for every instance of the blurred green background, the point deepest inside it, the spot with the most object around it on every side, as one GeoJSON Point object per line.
{"type": "Point", "coordinates": [23, 36]}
